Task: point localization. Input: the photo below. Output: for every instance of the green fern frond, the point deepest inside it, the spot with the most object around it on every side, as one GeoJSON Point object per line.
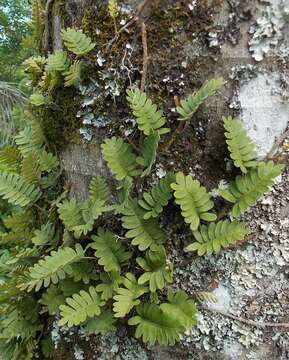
{"type": "Point", "coordinates": [147, 115]}
{"type": "Point", "coordinates": [52, 299]}
{"type": "Point", "coordinates": [211, 238]}
{"type": "Point", "coordinates": [144, 233]}
{"type": "Point", "coordinates": [18, 222]}
{"type": "Point", "coordinates": [109, 250]}
{"type": "Point", "coordinates": [242, 149]}
{"type": "Point", "coordinates": [10, 158]}
{"type": "Point", "coordinates": [16, 191]}
{"type": "Point", "coordinates": [191, 104]}
{"type": "Point", "coordinates": [158, 272]}
{"type": "Point", "coordinates": [120, 158]}
{"type": "Point", "coordinates": [50, 80]}
{"type": "Point", "coordinates": [57, 62]}
{"type": "Point", "coordinates": [149, 152]}
{"type": "Point", "coordinates": [182, 308]}
{"type": "Point", "coordinates": [98, 189]}
{"type": "Point", "coordinates": [47, 161]}
{"type": "Point", "coordinates": [73, 75]}
{"type": "Point", "coordinates": [154, 201]}
{"type": "Point", "coordinates": [247, 189]}
{"type": "Point", "coordinates": [79, 307]}
{"type": "Point", "coordinates": [101, 324]}
{"type": "Point", "coordinates": [84, 271]}
{"type": "Point", "coordinates": [193, 200]}
{"type": "Point", "coordinates": [77, 42]}
{"type": "Point", "coordinates": [53, 268]}
{"type": "Point", "coordinates": [31, 139]}
{"type": "Point", "coordinates": [113, 9]}
{"type": "Point", "coordinates": [44, 235]}
{"type": "Point", "coordinates": [128, 296]}
{"type": "Point", "coordinates": [38, 99]}
{"type": "Point", "coordinates": [109, 284]}
{"type": "Point", "coordinates": [155, 326]}
{"type": "Point", "coordinates": [35, 66]}
{"type": "Point", "coordinates": [30, 169]}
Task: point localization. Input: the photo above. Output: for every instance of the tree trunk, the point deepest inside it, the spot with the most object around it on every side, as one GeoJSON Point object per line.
{"type": "Point", "coordinates": [188, 43]}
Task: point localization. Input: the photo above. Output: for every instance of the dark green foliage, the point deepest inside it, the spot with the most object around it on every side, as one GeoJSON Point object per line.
{"type": "Point", "coordinates": [149, 152]}
{"type": "Point", "coordinates": [77, 42]}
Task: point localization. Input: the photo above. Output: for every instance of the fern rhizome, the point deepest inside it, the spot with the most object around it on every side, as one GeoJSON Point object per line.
{"type": "Point", "coordinates": [56, 259]}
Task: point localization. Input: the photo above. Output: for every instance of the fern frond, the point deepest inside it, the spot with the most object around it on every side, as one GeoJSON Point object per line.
{"type": "Point", "coordinates": [73, 75]}
{"type": "Point", "coordinates": [30, 169]}
{"type": "Point", "coordinates": [16, 191]}
{"type": "Point", "coordinates": [113, 9]}
{"type": "Point", "coordinates": [109, 285]}
{"type": "Point", "coordinates": [109, 250]}
{"type": "Point", "coordinates": [193, 200]}
{"type": "Point", "coordinates": [57, 62]}
{"type": "Point", "coordinates": [79, 307]}
{"type": "Point", "coordinates": [101, 324]}
{"type": "Point", "coordinates": [154, 201]}
{"type": "Point", "coordinates": [242, 149]}
{"type": "Point", "coordinates": [69, 213]}
{"type": "Point", "coordinates": [191, 104]}
{"type": "Point", "coordinates": [10, 158]}
{"type": "Point", "coordinates": [98, 189]}
{"type": "Point", "coordinates": [149, 152]}
{"type": "Point", "coordinates": [205, 296]}
{"type": "Point", "coordinates": [47, 161]}
{"type": "Point", "coordinates": [84, 271]}
{"type": "Point", "coordinates": [77, 42]}
{"type": "Point", "coordinates": [52, 299]}
{"type": "Point", "coordinates": [147, 115]}
{"type": "Point", "coordinates": [158, 272]}
{"type": "Point", "coordinates": [120, 158]}
{"type": "Point", "coordinates": [155, 326]}
{"type": "Point", "coordinates": [128, 296]}
{"type": "Point", "coordinates": [53, 268]}
{"type": "Point", "coordinates": [35, 66]}
{"type": "Point", "coordinates": [44, 235]}
{"type": "Point", "coordinates": [211, 238]}
{"type": "Point", "coordinates": [247, 189]}
{"type": "Point", "coordinates": [38, 99]}
{"type": "Point", "coordinates": [144, 233]}
{"type": "Point", "coordinates": [181, 307]}
{"type": "Point", "coordinates": [31, 139]}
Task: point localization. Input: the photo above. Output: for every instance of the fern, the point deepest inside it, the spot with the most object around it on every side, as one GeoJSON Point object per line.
{"type": "Point", "coordinates": [157, 272]}
{"type": "Point", "coordinates": [182, 308]}
{"type": "Point", "coordinates": [83, 271]}
{"type": "Point", "coordinates": [109, 250]}
{"type": "Point", "coordinates": [53, 268]}
{"type": "Point", "coordinates": [205, 296]}
{"type": "Point", "coordinates": [73, 75]}
{"type": "Point", "coordinates": [35, 66]}
{"type": "Point", "coordinates": [128, 296]}
{"type": "Point", "coordinates": [120, 158]}
{"type": "Point", "coordinates": [52, 299]}
{"type": "Point", "coordinates": [211, 238]}
{"type": "Point", "coordinates": [154, 201]}
{"type": "Point", "coordinates": [101, 324]}
{"type": "Point", "coordinates": [16, 191]}
{"type": "Point", "coordinates": [144, 233]}
{"type": "Point", "coordinates": [77, 42]}
{"type": "Point", "coordinates": [47, 161]}
{"type": "Point", "coordinates": [147, 116]}
{"type": "Point", "coordinates": [110, 284]}
{"type": "Point", "coordinates": [57, 62]}
{"type": "Point", "coordinates": [191, 104]}
{"type": "Point", "coordinates": [38, 99]}
{"type": "Point", "coordinates": [31, 139]}
{"type": "Point", "coordinates": [113, 9]}
{"type": "Point", "coordinates": [246, 190]}
{"type": "Point", "coordinates": [79, 307]}
{"type": "Point", "coordinates": [156, 326]}
{"type": "Point", "coordinates": [30, 169]}
{"type": "Point", "coordinates": [10, 159]}
{"type": "Point", "coordinates": [98, 189]}
{"type": "Point", "coordinates": [193, 200]}
{"type": "Point", "coordinates": [149, 152]}
{"type": "Point", "coordinates": [241, 147]}
{"type": "Point", "coordinates": [45, 235]}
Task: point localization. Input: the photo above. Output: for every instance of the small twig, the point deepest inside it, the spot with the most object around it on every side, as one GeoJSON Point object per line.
{"type": "Point", "coordinates": [277, 145]}
{"type": "Point", "coordinates": [145, 56]}
{"type": "Point", "coordinates": [247, 321]}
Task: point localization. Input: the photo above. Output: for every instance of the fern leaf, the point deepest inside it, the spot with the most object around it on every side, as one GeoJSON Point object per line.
{"type": "Point", "coordinates": [154, 201]}
{"type": "Point", "coordinates": [31, 139]}
{"type": "Point", "coordinates": [205, 296]}
{"type": "Point", "coordinates": [53, 268]}
{"type": "Point", "coordinates": [70, 214]}
{"type": "Point", "coordinates": [35, 66]}
{"type": "Point", "coordinates": [38, 99]}
{"type": "Point", "coordinates": [157, 272]}
{"type": "Point", "coordinates": [45, 235]}
{"type": "Point", "coordinates": [181, 307]}
{"type": "Point", "coordinates": [211, 238]}
{"type": "Point", "coordinates": [98, 189]}
{"type": "Point", "coordinates": [147, 115]}
{"type": "Point", "coordinates": [101, 324]}
{"type": "Point", "coordinates": [241, 147]}
{"type": "Point", "coordinates": [247, 189]}
{"type": "Point", "coordinates": [47, 161]}
{"type": "Point", "coordinates": [77, 42]}
{"type": "Point", "coordinates": [30, 169]}
{"type": "Point", "coordinates": [120, 158]}
{"type": "Point", "coordinates": [83, 271]}
{"type": "Point", "coordinates": [52, 299]}
{"type": "Point", "coordinates": [109, 250]}
{"type": "Point", "coordinates": [193, 200]}
{"type": "Point", "coordinates": [149, 152]}
{"type": "Point", "coordinates": [155, 326]}
{"type": "Point", "coordinates": [113, 9]}
{"type": "Point", "coordinates": [79, 307]}
{"type": "Point", "coordinates": [10, 159]}
{"type": "Point", "coordinates": [73, 75]}
{"type": "Point", "coordinates": [144, 233]}
{"type": "Point", "coordinates": [16, 191]}
{"type": "Point", "coordinates": [128, 296]}
{"type": "Point", "coordinates": [57, 62]}
{"type": "Point", "coordinates": [191, 104]}
{"type": "Point", "coordinates": [110, 284]}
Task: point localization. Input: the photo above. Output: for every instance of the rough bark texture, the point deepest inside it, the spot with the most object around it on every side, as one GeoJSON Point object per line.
{"type": "Point", "coordinates": [188, 43]}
